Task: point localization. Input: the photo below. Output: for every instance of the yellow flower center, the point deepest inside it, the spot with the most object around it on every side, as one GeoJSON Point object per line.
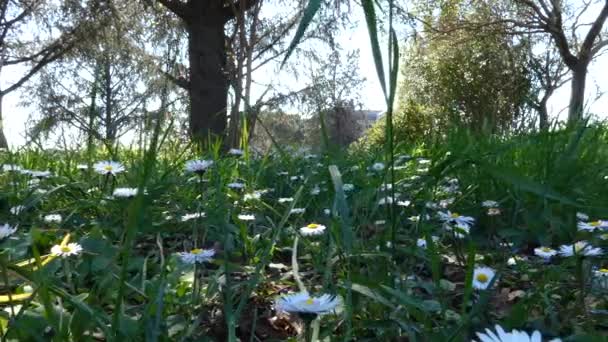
{"type": "Point", "coordinates": [595, 223]}
{"type": "Point", "coordinates": [313, 226]}
{"type": "Point", "coordinates": [108, 168]}
{"type": "Point", "coordinates": [482, 278]}
{"type": "Point", "coordinates": [310, 301]}
{"type": "Point", "coordinates": [546, 249]}
{"type": "Point", "coordinates": [66, 249]}
{"type": "Point", "coordinates": [196, 251]}
{"type": "Point", "coordinates": [603, 270]}
{"type": "Point", "coordinates": [455, 215]}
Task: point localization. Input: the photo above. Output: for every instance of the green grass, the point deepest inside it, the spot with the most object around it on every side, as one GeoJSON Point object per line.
{"type": "Point", "coordinates": [129, 283]}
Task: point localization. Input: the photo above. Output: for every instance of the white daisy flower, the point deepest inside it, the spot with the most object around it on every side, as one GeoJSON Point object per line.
{"type": "Point", "coordinates": [514, 260]}
{"type": "Point", "coordinates": [444, 203]}
{"type": "Point", "coordinates": [591, 226]}
{"type": "Point", "coordinates": [414, 218]}
{"type": "Point", "coordinates": [327, 212]}
{"type": "Point", "coordinates": [246, 217]}
{"type": "Point", "coordinates": [405, 203]}
{"type": "Point", "coordinates": [41, 174]}
{"type": "Point", "coordinates": [579, 248]}
{"type": "Point", "coordinates": [424, 161]}
{"type": "Point", "coordinates": [295, 178]}
{"type": "Point", "coordinates": [198, 166]}
{"type": "Point", "coordinates": [386, 200]}
{"type": "Point", "coordinates": [197, 255]}
{"type": "Point", "coordinates": [236, 185]}
{"type": "Point", "coordinates": [312, 229]}
{"type": "Point", "coordinates": [604, 236]}
{"type": "Point", "coordinates": [306, 304]}
{"type": "Point", "coordinates": [421, 242]}
{"type": "Point", "coordinates": [283, 173]}
{"type": "Point", "coordinates": [315, 191]}
{"type": "Point", "coordinates": [378, 166]}
{"type": "Point", "coordinates": [602, 272]}
{"type": "Point", "coordinates": [545, 252]}
{"type": "Point", "coordinates": [108, 167]}
{"type": "Point", "coordinates": [236, 152]}
{"type": "Point", "coordinates": [16, 210]}
{"type": "Point", "coordinates": [125, 192]}
{"type": "Point", "coordinates": [82, 167]}
{"type": "Point", "coordinates": [456, 218]}
{"type": "Point", "coordinates": [256, 195]}
{"type": "Point", "coordinates": [6, 230]}
{"type": "Point", "coordinates": [297, 211]}
{"type": "Point", "coordinates": [489, 204]}
{"type": "Point", "coordinates": [67, 250]}
{"type": "Point", "coordinates": [11, 167]}
{"type": "Point", "coordinates": [482, 276]}
{"type": "Point", "coordinates": [188, 217]}
{"type": "Point", "coordinates": [348, 187]}
{"type": "Point", "coordinates": [582, 216]}
{"type": "Point", "coordinates": [513, 336]}
{"type": "Point", "coordinates": [52, 218]}
{"type": "Point", "coordinates": [460, 231]}
{"type": "Point", "coordinates": [493, 211]}
{"type": "Point", "coordinates": [285, 199]}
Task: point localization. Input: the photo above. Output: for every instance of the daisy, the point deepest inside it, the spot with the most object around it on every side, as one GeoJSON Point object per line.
{"type": "Point", "coordinates": [489, 204]}
{"type": "Point", "coordinates": [53, 218]}
{"type": "Point", "coordinates": [11, 167]}
{"type": "Point", "coordinates": [198, 166]}
{"type": "Point", "coordinates": [197, 255]}
{"type": "Point", "coordinates": [285, 200]}
{"type": "Point", "coordinates": [579, 248]}
{"type": "Point", "coordinates": [315, 191]}
{"type": "Point", "coordinates": [545, 252]}
{"type": "Point", "coordinates": [306, 304]}
{"type": "Point", "coordinates": [327, 212]}
{"type": "Point", "coordinates": [582, 216]}
{"type": "Point", "coordinates": [378, 167]}
{"type": "Point", "coordinates": [482, 276]}
{"type": "Point", "coordinates": [17, 209]}
{"type": "Point", "coordinates": [312, 229]}
{"type": "Point", "coordinates": [67, 250]}
{"type": "Point", "coordinates": [297, 211]}
{"type": "Point", "coordinates": [405, 203]}
{"type": "Point", "coordinates": [513, 336]}
{"type": "Point", "coordinates": [246, 217]}
{"type": "Point", "coordinates": [348, 187]}
{"type": "Point", "coordinates": [591, 226]}
{"type": "Point", "coordinates": [82, 167]}
{"type": "Point", "coordinates": [236, 185]}
{"type": "Point", "coordinates": [236, 152]}
{"type": "Point", "coordinates": [125, 192]}
{"type": "Point", "coordinates": [456, 218]}
{"type": "Point", "coordinates": [421, 242]}
{"type": "Point", "coordinates": [256, 195]}
{"type": "Point", "coordinates": [461, 231]}
{"type": "Point", "coordinates": [604, 236]}
{"type": "Point", "coordinates": [6, 231]}
{"type": "Point", "coordinates": [108, 167]}
{"type": "Point", "coordinates": [602, 272]}
{"type": "Point", "coordinates": [493, 211]}
{"type": "Point", "coordinates": [188, 217]}
{"type": "Point", "coordinates": [514, 260]}
{"type": "Point", "coordinates": [40, 174]}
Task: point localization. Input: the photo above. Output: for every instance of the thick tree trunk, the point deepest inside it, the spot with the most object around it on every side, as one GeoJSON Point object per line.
{"type": "Point", "coordinates": [543, 115]}
{"type": "Point", "coordinates": [3, 142]}
{"type": "Point", "coordinates": [208, 79]}
{"type": "Point", "coordinates": [577, 96]}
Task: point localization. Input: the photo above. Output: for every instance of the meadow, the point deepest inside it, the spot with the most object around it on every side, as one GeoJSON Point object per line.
{"type": "Point", "coordinates": [438, 242]}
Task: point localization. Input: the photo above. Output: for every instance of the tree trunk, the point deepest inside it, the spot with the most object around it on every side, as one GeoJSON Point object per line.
{"type": "Point", "coordinates": [577, 96]}
{"type": "Point", "coordinates": [208, 79]}
{"type": "Point", "coordinates": [543, 115]}
{"type": "Point", "coordinates": [3, 142]}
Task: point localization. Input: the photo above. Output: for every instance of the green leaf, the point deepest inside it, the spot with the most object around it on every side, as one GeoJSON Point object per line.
{"type": "Point", "coordinates": [309, 14]}
{"type": "Point", "coordinates": [370, 18]}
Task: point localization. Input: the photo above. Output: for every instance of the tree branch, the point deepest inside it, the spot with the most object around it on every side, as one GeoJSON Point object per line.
{"type": "Point", "coordinates": [585, 52]}
{"type": "Point", "coordinates": [177, 7]}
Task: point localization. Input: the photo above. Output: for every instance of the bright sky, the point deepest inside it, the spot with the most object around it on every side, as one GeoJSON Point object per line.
{"type": "Point", "coordinates": [372, 98]}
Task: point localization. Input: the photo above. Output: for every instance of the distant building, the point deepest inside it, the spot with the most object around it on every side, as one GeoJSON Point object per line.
{"type": "Point", "coordinates": [366, 118]}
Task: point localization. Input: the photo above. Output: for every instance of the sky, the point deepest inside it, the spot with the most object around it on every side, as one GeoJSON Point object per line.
{"type": "Point", "coordinates": [371, 96]}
